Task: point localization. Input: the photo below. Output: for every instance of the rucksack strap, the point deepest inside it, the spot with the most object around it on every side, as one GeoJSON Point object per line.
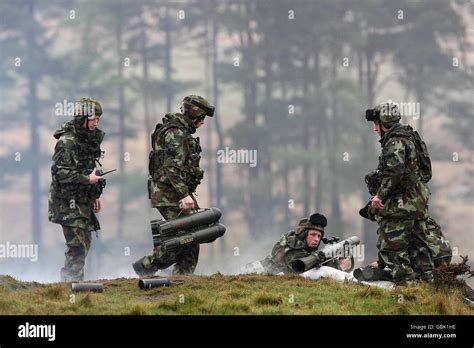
{"type": "Point", "coordinates": [160, 129]}
{"type": "Point", "coordinates": [422, 155]}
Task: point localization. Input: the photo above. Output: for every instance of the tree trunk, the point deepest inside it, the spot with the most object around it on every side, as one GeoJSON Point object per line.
{"type": "Point", "coordinates": [333, 152]}
{"type": "Point", "coordinates": [306, 139]}
{"type": "Point", "coordinates": [320, 116]}
{"type": "Point", "coordinates": [34, 145]}
{"type": "Point", "coordinates": [209, 143]}
{"type": "Point", "coordinates": [169, 90]}
{"type": "Point", "coordinates": [216, 122]}
{"type": "Point", "coordinates": [420, 96]}
{"type": "Point", "coordinates": [145, 86]}
{"type": "Point", "coordinates": [369, 235]}
{"type": "Point", "coordinates": [268, 218]}
{"type": "Point", "coordinates": [250, 93]}
{"type": "Point", "coordinates": [121, 114]}
{"type": "Point", "coordinates": [286, 173]}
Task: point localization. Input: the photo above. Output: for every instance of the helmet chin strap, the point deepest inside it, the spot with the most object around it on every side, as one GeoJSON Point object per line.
{"type": "Point", "coordinates": [382, 132]}
{"type": "Point", "coordinates": [196, 120]}
{"type": "Point", "coordinates": [87, 124]}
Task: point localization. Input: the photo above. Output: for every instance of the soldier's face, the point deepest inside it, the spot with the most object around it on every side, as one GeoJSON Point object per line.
{"type": "Point", "coordinates": [313, 238]}
{"type": "Point", "coordinates": [379, 128]}
{"type": "Point", "coordinates": [199, 121]}
{"type": "Point", "coordinates": [91, 124]}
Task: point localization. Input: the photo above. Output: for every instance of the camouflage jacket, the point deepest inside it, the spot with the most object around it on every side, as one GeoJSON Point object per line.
{"type": "Point", "coordinates": [285, 251]}
{"type": "Point", "coordinates": [403, 193]}
{"type": "Point", "coordinates": [174, 161]}
{"type": "Point", "coordinates": [71, 197]}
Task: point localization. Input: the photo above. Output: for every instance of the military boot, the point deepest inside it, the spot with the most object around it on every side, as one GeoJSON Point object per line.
{"type": "Point", "coordinates": [141, 270]}
{"type": "Point", "coordinates": [370, 273]}
{"type": "Point", "coordinates": [427, 277]}
{"type": "Point", "coordinates": [409, 280]}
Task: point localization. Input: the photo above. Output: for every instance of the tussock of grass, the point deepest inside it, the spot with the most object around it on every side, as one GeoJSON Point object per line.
{"type": "Point", "coordinates": [85, 301]}
{"type": "Point", "coordinates": [168, 307]}
{"type": "Point", "coordinates": [9, 283]}
{"type": "Point", "coordinates": [136, 309]}
{"type": "Point", "coordinates": [53, 292]}
{"type": "Point", "coordinates": [268, 300]}
{"type": "Point", "coordinates": [230, 295]}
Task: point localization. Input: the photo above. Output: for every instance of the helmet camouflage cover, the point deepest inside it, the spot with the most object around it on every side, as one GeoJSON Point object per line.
{"type": "Point", "coordinates": [387, 113]}
{"type": "Point", "coordinates": [87, 107]}
{"type": "Point", "coordinates": [315, 222]}
{"type": "Point", "coordinates": [196, 106]}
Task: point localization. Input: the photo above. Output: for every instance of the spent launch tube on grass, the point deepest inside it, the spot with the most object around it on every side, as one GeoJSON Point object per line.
{"type": "Point", "coordinates": [146, 284]}
{"type": "Point", "coordinates": [84, 287]}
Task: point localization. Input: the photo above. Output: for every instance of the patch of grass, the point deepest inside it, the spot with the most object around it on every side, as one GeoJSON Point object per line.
{"type": "Point", "coordinates": [171, 307]}
{"type": "Point", "coordinates": [236, 294]}
{"type": "Point", "coordinates": [5, 305]}
{"type": "Point", "coordinates": [85, 301]}
{"type": "Point", "coordinates": [137, 309]}
{"type": "Point", "coordinates": [268, 300]}
{"type": "Point", "coordinates": [53, 292]}
{"type": "Point", "coordinates": [238, 308]}
{"type": "Point", "coordinates": [230, 295]}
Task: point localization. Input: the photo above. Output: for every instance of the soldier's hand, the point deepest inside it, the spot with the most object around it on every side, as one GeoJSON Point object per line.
{"type": "Point", "coordinates": [187, 203]}
{"type": "Point", "coordinates": [376, 203]}
{"type": "Point", "coordinates": [97, 205]}
{"type": "Point", "coordinates": [345, 264]}
{"type": "Point", "coordinates": [93, 179]}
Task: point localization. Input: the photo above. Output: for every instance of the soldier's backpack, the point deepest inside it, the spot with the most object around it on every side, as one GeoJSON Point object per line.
{"type": "Point", "coordinates": [423, 157]}
{"type": "Point", "coordinates": [155, 157]}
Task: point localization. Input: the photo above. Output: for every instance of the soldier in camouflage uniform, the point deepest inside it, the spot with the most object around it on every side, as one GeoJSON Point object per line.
{"type": "Point", "coordinates": [298, 244]}
{"type": "Point", "coordinates": [408, 238]}
{"type": "Point", "coordinates": [75, 187]}
{"type": "Point", "coordinates": [438, 244]}
{"type": "Point", "coordinates": [174, 176]}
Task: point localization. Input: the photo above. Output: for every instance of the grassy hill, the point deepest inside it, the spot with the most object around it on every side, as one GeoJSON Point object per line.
{"type": "Point", "coordinates": [218, 294]}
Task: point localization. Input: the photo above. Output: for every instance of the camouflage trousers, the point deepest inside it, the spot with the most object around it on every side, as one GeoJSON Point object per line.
{"type": "Point", "coordinates": [440, 247]}
{"type": "Point", "coordinates": [185, 259]}
{"type": "Point", "coordinates": [78, 243]}
{"type": "Point", "coordinates": [404, 247]}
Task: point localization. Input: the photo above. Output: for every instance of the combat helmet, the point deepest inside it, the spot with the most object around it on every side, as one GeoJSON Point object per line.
{"type": "Point", "coordinates": [195, 106]}
{"type": "Point", "coordinates": [315, 222]}
{"type": "Point", "coordinates": [87, 107]}
{"type": "Point", "coordinates": [386, 113]}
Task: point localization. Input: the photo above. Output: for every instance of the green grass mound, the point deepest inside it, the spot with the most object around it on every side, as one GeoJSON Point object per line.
{"type": "Point", "coordinates": [230, 295]}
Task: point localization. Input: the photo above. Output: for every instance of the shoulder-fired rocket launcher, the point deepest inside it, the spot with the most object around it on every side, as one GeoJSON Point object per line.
{"type": "Point", "coordinates": [329, 253]}
{"type": "Point", "coordinates": [201, 227]}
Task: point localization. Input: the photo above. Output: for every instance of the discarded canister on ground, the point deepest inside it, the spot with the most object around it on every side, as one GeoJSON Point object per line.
{"type": "Point", "coordinates": [84, 287]}
{"type": "Point", "coordinates": [146, 284]}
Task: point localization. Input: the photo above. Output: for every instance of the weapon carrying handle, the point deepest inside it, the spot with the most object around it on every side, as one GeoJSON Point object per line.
{"type": "Point", "coordinates": [196, 205]}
